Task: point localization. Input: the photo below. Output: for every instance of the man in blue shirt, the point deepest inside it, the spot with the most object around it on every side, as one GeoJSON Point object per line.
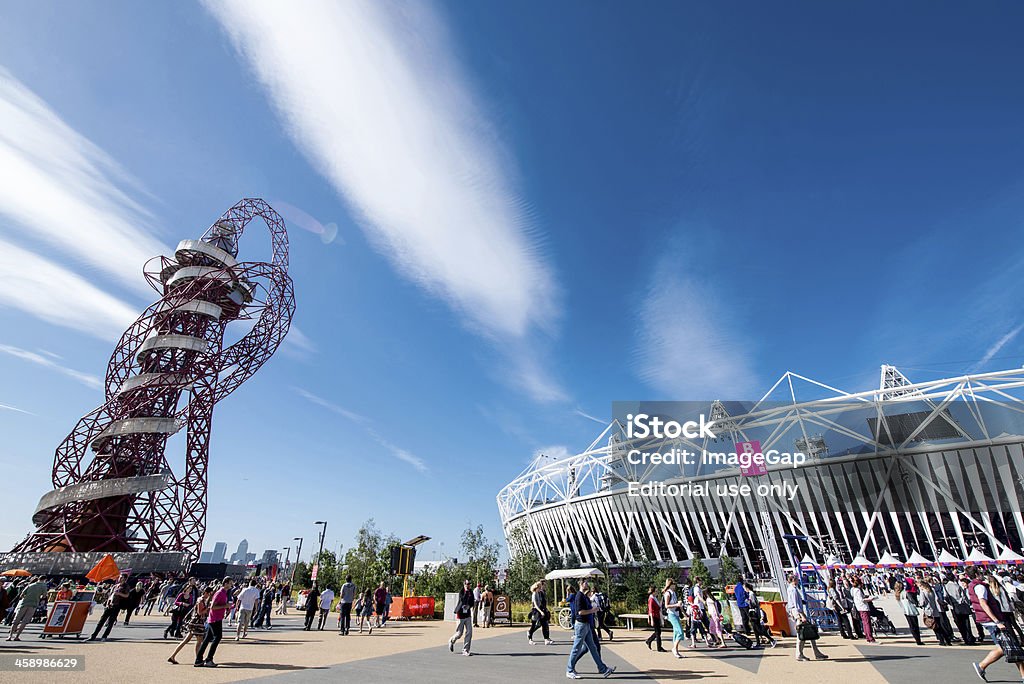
{"type": "Point", "coordinates": [583, 635]}
{"type": "Point", "coordinates": [742, 603]}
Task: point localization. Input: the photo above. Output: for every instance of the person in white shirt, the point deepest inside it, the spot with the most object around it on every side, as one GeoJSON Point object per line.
{"type": "Point", "coordinates": [326, 599]}
{"type": "Point", "coordinates": [862, 604]}
{"type": "Point", "coordinates": [246, 603]}
{"type": "Point", "coordinates": [478, 600]}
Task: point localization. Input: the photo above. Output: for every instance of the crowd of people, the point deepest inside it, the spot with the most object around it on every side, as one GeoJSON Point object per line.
{"type": "Point", "coordinates": [969, 606]}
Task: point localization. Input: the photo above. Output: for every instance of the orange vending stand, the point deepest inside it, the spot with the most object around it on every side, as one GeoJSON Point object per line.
{"type": "Point", "coordinates": [66, 617]}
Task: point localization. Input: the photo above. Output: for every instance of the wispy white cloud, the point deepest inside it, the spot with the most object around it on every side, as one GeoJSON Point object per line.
{"type": "Point", "coordinates": [997, 346]}
{"type": "Point", "coordinates": [330, 406]}
{"type": "Point", "coordinates": [298, 344]}
{"type": "Point", "coordinates": [372, 94]}
{"type": "Point", "coordinates": [583, 414]}
{"type": "Point", "coordinates": [401, 454]}
{"type": "Point", "coordinates": [59, 188]}
{"type": "Point", "coordinates": [46, 362]}
{"type": "Point", "coordinates": [8, 407]}
{"type": "Point", "coordinates": [43, 289]}
{"type": "Point", "coordinates": [525, 372]}
{"type": "Point", "coordinates": [685, 346]}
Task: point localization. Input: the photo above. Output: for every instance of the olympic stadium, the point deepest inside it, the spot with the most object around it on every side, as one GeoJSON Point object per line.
{"type": "Point", "coordinates": [910, 466]}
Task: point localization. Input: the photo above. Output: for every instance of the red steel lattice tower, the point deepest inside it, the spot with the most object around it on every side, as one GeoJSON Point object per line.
{"type": "Point", "coordinates": [114, 489]}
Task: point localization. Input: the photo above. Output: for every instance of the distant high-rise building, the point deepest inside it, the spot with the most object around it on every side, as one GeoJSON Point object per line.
{"type": "Point", "coordinates": [205, 556]}
{"type": "Point", "coordinates": [220, 549]}
{"type": "Point", "coordinates": [238, 557]}
{"type": "Point", "coordinates": [250, 558]}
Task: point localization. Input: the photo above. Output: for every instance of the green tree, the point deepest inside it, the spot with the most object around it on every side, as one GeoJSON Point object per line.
{"type": "Point", "coordinates": [554, 563]}
{"type": "Point", "coordinates": [302, 571]}
{"type": "Point", "coordinates": [572, 561]}
{"type": "Point", "coordinates": [730, 571]}
{"type": "Point", "coordinates": [482, 555]}
{"type": "Point", "coordinates": [524, 567]}
{"type": "Point", "coordinates": [362, 561]}
{"type": "Point", "coordinates": [699, 571]}
{"type": "Point", "coordinates": [633, 587]}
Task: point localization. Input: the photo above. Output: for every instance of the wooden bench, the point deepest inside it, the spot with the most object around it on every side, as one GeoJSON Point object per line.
{"type": "Point", "coordinates": [629, 617]}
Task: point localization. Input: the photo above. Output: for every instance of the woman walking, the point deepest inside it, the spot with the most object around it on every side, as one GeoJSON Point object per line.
{"type": "Point", "coordinates": [197, 625]}
{"type": "Point", "coordinates": [672, 606]}
{"type": "Point", "coordinates": [539, 615]}
{"type": "Point", "coordinates": [932, 613]}
{"type": "Point", "coordinates": [365, 611]}
{"type": "Point", "coordinates": [910, 611]}
{"type": "Point", "coordinates": [714, 615]}
{"type": "Point", "coordinates": [654, 618]}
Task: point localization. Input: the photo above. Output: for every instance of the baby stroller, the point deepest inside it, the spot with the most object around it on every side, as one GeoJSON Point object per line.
{"type": "Point", "coordinates": [880, 622]}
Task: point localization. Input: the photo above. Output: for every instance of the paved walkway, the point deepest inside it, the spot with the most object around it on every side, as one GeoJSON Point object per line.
{"type": "Point", "coordinates": [417, 652]}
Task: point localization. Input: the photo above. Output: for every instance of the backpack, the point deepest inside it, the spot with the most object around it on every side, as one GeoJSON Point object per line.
{"type": "Point", "coordinates": [602, 602]}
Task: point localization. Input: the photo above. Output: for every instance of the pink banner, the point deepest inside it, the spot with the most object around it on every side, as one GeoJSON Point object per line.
{"type": "Point", "coordinates": [757, 466]}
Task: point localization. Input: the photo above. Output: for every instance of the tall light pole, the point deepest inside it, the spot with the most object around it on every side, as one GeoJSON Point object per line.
{"type": "Point", "coordinates": [287, 555]}
{"type": "Point", "coordinates": [298, 553]}
{"type": "Point", "coordinates": [323, 533]}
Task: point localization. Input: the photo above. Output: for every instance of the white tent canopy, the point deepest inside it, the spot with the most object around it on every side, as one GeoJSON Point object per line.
{"type": "Point", "coordinates": [807, 560]}
{"type": "Point", "coordinates": [916, 560]}
{"type": "Point", "coordinates": [834, 562]}
{"type": "Point", "coordinates": [1009, 556]}
{"type": "Point", "coordinates": [574, 573]}
{"type": "Point", "coordinates": [861, 562]}
{"type": "Point", "coordinates": [946, 558]}
{"type": "Point", "coordinates": [976, 557]}
{"type": "Point", "coordinates": [889, 561]}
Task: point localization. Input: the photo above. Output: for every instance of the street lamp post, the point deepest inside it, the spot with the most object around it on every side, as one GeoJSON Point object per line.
{"type": "Point", "coordinates": [298, 553]}
{"type": "Point", "coordinates": [323, 533]}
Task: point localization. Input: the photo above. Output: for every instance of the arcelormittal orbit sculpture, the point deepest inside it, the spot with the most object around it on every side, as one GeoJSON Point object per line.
{"type": "Point", "coordinates": [113, 487]}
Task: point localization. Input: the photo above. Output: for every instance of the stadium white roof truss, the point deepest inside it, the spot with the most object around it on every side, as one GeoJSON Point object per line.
{"type": "Point", "coordinates": [781, 415]}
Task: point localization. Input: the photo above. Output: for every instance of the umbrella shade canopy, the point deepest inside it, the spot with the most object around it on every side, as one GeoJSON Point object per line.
{"type": "Point", "coordinates": [106, 569]}
{"type": "Point", "coordinates": [861, 562]}
{"type": "Point", "coordinates": [916, 560]}
{"type": "Point", "coordinates": [577, 573]}
{"type": "Point", "coordinates": [976, 557]}
{"type": "Point", "coordinates": [889, 561]}
{"type": "Point", "coordinates": [16, 572]}
{"type": "Point", "coordinates": [947, 559]}
{"type": "Point", "coordinates": [1008, 557]}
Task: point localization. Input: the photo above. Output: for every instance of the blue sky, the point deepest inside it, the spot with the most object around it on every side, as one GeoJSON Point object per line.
{"type": "Point", "coordinates": [541, 208]}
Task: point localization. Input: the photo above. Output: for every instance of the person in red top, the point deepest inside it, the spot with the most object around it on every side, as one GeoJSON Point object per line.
{"type": "Point", "coordinates": [654, 617]}
{"type": "Point", "coordinates": [214, 625]}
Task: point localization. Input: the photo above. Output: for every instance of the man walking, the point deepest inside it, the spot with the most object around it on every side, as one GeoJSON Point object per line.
{"type": "Point", "coordinates": [326, 599]}
{"type": "Point", "coordinates": [116, 600]}
{"type": "Point", "coordinates": [465, 610]}
{"type": "Point", "coordinates": [348, 595]}
{"type": "Point", "coordinates": [583, 635]}
{"type": "Point", "coordinates": [214, 625]}
{"type": "Point", "coordinates": [312, 606]}
{"type": "Point", "coordinates": [26, 608]}
{"type": "Point", "coordinates": [246, 604]}
{"type": "Point", "coordinates": [740, 592]}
